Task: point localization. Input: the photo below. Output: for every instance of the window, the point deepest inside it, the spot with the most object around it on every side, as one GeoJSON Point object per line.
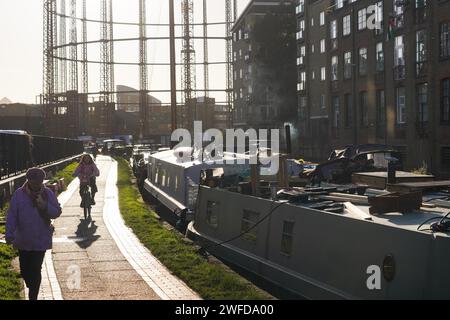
{"type": "Point", "coordinates": [323, 74]}
{"type": "Point", "coordinates": [323, 101]}
{"type": "Point", "coordinates": [346, 25]}
{"type": "Point", "coordinates": [212, 213]}
{"type": "Point", "coordinates": [364, 109]}
{"type": "Point", "coordinates": [379, 57]}
{"type": "Point", "coordinates": [399, 58]}
{"type": "Point", "coordinates": [333, 29]}
{"type": "Point", "coordinates": [336, 113]}
{"type": "Point", "coordinates": [401, 105]}
{"type": "Point", "coordinates": [348, 105]}
{"type": "Point", "coordinates": [322, 18]}
{"type": "Point", "coordinates": [164, 176]}
{"type": "Point", "coordinates": [422, 102]}
{"type": "Point", "coordinates": [421, 11]}
{"type": "Point", "coordinates": [156, 179]}
{"type": "Point", "coordinates": [322, 46]}
{"type": "Point", "coordinates": [333, 34]}
{"type": "Point", "coordinates": [301, 29]}
{"type": "Point", "coordinates": [334, 68]}
{"type": "Point", "coordinates": [287, 237]}
{"type": "Point", "coordinates": [445, 40]}
{"type": "Point", "coordinates": [249, 220]}
{"type": "Point", "coordinates": [379, 18]}
{"type": "Point", "coordinates": [445, 101]}
{"type": "Point", "coordinates": [302, 81]}
{"type": "Point", "coordinates": [362, 19]}
{"type": "Point", "coordinates": [363, 61]}
{"type": "Point", "coordinates": [347, 65]}
{"type": "Point", "coordinates": [399, 12]}
{"type": "Point", "coordinates": [300, 7]}
{"type": "Point", "coordinates": [421, 52]}
{"type": "Point", "coordinates": [302, 54]}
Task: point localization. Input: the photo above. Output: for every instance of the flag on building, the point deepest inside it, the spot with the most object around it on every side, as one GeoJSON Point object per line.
{"type": "Point", "coordinates": [391, 28]}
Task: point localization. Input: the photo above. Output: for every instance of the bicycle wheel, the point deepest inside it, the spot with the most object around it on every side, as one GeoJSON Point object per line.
{"type": "Point", "coordinates": [85, 212]}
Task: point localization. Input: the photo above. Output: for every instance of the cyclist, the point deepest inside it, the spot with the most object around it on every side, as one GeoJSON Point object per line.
{"type": "Point", "coordinates": [87, 172]}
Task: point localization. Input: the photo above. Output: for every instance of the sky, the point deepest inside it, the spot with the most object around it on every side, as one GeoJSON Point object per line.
{"type": "Point", "coordinates": [21, 46]}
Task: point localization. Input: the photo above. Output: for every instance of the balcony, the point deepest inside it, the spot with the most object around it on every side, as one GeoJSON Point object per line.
{"type": "Point", "coordinates": [421, 69]}
{"type": "Point", "coordinates": [399, 72]}
{"type": "Point", "coordinates": [334, 44]}
{"type": "Point", "coordinates": [300, 9]}
{"type": "Point", "coordinates": [400, 21]}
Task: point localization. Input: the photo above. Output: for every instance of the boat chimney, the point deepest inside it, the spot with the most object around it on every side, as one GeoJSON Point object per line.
{"type": "Point", "coordinates": [288, 139]}
{"type": "Point", "coordinates": [391, 170]}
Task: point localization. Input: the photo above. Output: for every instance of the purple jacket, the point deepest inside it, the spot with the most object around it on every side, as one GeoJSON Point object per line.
{"type": "Point", "coordinates": [25, 227]}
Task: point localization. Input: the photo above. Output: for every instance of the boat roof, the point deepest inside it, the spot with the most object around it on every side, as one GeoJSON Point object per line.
{"type": "Point", "coordinates": [172, 156]}
{"type": "Point", "coordinates": [17, 132]}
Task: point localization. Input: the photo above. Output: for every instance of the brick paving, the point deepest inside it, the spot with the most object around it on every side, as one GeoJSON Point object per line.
{"type": "Point", "coordinates": [156, 275]}
{"type": "Point", "coordinates": [102, 259]}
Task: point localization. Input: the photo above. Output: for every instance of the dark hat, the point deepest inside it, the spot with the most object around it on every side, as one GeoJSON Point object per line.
{"type": "Point", "coordinates": [36, 174]}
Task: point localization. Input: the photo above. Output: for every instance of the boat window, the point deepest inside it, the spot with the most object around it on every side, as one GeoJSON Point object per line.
{"type": "Point", "coordinates": [249, 220]}
{"type": "Point", "coordinates": [163, 178]}
{"type": "Point", "coordinates": [150, 171]}
{"type": "Point", "coordinates": [168, 179]}
{"type": "Point", "coordinates": [176, 183]}
{"type": "Point", "coordinates": [156, 176]}
{"type": "Point", "coordinates": [287, 238]}
{"type": "Point", "coordinates": [212, 213]}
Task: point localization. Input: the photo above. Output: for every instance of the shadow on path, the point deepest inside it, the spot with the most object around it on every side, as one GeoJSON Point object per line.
{"type": "Point", "coordinates": [86, 233]}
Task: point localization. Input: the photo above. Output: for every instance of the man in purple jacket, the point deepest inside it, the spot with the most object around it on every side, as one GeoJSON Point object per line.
{"type": "Point", "coordinates": [29, 228]}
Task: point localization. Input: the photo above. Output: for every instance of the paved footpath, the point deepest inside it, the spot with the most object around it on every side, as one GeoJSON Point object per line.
{"type": "Point", "coordinates": [102, 259]}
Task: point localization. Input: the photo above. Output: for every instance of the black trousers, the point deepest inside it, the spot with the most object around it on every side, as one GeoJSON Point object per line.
{"type": "Point", "coordinates": [93, 185]}
{"type": "Point", "coordinates": [30, 269]}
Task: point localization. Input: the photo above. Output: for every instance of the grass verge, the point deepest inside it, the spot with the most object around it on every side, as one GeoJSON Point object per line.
{"type": "Point", "coordinates": [212, 281]}
{"type": "Point", "coordinates": [66, 173]}
{"type": "Point", "coordinates": [10, 280]}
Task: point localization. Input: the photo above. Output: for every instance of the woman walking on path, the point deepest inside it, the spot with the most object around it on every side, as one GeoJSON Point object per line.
{"type": "Point", "coordinates": [29, 228]}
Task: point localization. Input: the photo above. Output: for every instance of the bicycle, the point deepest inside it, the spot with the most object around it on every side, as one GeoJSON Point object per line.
{"type": "Point", "coordinates": [86, 200]}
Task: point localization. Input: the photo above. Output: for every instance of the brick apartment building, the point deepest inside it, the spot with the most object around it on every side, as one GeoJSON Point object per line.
{"type": "Point", "coordinates": [375, 72]}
